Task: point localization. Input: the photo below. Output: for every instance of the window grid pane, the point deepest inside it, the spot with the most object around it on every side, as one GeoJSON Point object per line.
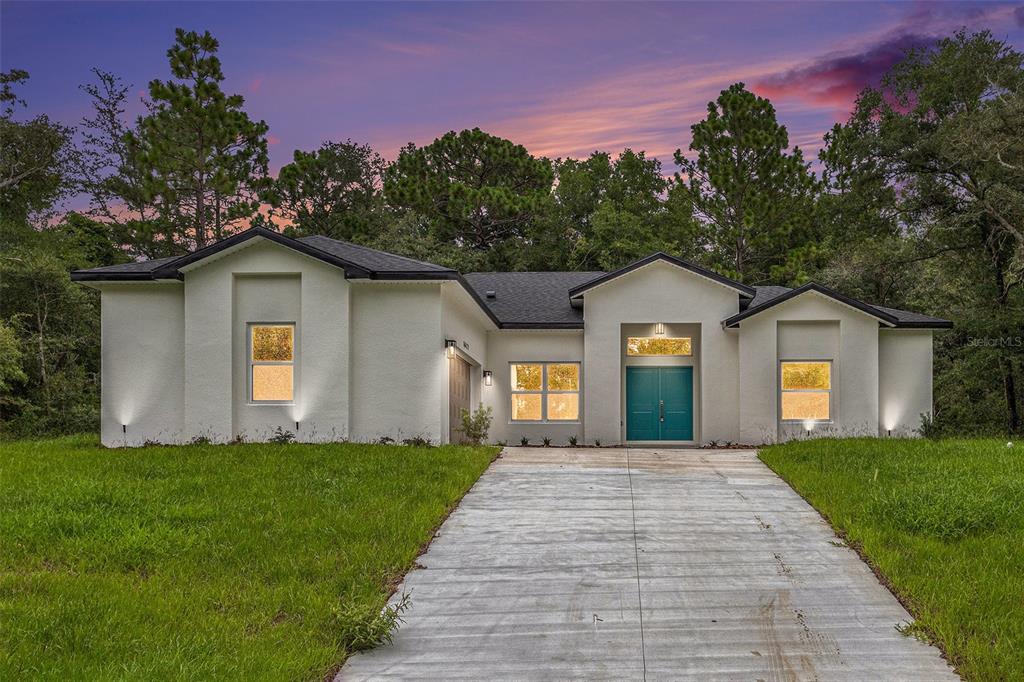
{"type": "Point", "coordinates": [526, 407]}
{"type": "Point", "coordinates": [563, 406]}
{"type": "Point", "coordinates": [801, 405]}
{"type": "Point", "coordinates": [564, 377]}
{"type": "Point", "coordinates": [272, 343]}
{"type": "Point", "coordinates": [272, 383]}
{"type": "Point", "coordinates": [527, 377]}
{"type": "Point", "coordinates": [806, 376]}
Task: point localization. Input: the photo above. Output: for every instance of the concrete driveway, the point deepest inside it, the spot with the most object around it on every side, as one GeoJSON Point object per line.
{"type": "Point", "coordinates": [643, 564]}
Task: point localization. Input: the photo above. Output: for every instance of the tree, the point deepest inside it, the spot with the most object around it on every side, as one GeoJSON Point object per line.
{"type": "Point", "coordinates": [109, 175]}
{"type": "Point", "coordinates": [333, 191]}
{"type": "Point", "coordinates": [204, 160]}
{"type": "Point", "coordinates": [941, 140]}
{"type": "Point", "coordinates": [477, 192]}
{"type": "Point", "coordinates": [35, 157]}
{"type": "Point", "coordinates": [754, 198]}
{"type": "Point", "coordinates": [612, 211]}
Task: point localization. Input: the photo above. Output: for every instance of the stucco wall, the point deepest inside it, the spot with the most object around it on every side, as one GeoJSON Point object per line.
{"type": "Point", "coordinates": [507, 346]}
{"type": "Point", "coordinates": [904, 379]}
{"type": "Point", "coordinates": [399, 371]}
{"type": "Point", "coordinates": [215, 349]}
{"type": "Point", "coordinates": [854, 369]}
{"type": "Point", "coordinates": [660, 292]}
{"type": "Point", "coordinates": [142, 355]}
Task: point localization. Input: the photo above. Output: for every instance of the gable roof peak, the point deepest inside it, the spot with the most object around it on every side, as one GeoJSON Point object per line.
{"type": "Point", "coordinates": [743, 289]}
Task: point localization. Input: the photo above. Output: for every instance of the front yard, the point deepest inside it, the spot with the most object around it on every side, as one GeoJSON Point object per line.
{"type": "Point", "coordinates": [209, 562]}
{"type": "Point", "coordinates": [943, 522]}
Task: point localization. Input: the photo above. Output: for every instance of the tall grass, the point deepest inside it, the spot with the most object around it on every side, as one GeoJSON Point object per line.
{"type": "Point", "coordinates": [209, 562]}
{"type": "Point", "coordinates": [943, 521]}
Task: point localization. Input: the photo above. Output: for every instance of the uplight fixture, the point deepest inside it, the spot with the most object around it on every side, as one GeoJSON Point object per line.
{"type": "Point", "coordinates": [124, 429]}
{"type": "Point", "coordinates": [659, 328]}
{"type": "Point", "coordinates": [808, 425]}
{"type": "Point", "coordinates": [296, 426]}
{"type": "Point", "coordinates": [449, 346]}
{"type": "Point", "coordinates": [488, 377]}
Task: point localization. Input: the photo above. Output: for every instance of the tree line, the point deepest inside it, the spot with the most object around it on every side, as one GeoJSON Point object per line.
{"type": "Point", "coordinates": [917, 201]}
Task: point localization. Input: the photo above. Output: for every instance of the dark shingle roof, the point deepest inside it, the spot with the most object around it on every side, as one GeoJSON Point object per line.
{"type": "Point", "coordinates": [371, 259]}
{"type": "Point", "coordinates": [357, 261]}
{"type": "Point", "coordinates": [531, 299]}
{"type": "Point", "coordinates": [523, 300]}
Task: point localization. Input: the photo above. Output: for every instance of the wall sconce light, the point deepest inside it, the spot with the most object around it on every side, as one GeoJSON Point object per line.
{"type": "Point", "coordinates": [449, 347]}
{"type": "Point", "coordinates": [488, 377]}
{"type": "Point", "coordinates": [659, 328]}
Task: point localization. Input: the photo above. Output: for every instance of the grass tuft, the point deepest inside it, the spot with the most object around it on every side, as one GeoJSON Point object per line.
{"type": "Point", "coordinates": [257, 561]}
{"type": "Point", "coordinates": [942, 522]}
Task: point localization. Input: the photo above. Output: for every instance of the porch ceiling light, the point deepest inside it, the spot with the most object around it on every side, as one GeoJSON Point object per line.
{"type": "Point", "coordinates": [659, 328]}
{"type": "Point", "coordinates": [449, 347]}
{"type": "Point", "coordinates": [488, 377]}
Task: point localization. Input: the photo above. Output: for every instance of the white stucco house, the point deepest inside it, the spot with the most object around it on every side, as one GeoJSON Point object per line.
{"type": "Point", "coordinates": [330, 340]}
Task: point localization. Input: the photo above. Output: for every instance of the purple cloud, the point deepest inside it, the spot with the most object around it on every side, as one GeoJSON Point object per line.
{"type": "Point", "coordinates": [836, 78]}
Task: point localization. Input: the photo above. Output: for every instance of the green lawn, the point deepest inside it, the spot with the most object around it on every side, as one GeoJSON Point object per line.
{"type": "Point", "coordinates": [209, 562]}
{"type": "Point", "coordinates": [943, 521]}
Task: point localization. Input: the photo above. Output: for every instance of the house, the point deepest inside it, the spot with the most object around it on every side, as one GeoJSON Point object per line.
{"type": "Point", "coordinates": [329, 340]}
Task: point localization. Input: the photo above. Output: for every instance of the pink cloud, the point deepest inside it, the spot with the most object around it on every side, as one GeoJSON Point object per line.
{"type": "Point", "coordinates": [256, 84]}
{"type": "Point", "coordinates": [834, 80]}
{"type": "Point", "coordinates": [273, 139]}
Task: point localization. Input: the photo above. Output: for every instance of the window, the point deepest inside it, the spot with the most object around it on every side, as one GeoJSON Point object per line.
{"type": "Point", "coordinates": [271, 363]}
{"type": "Point", "coordinates": [545, 391]}
{"type": "Point", "coordinates": [806, 390]}
{"type": "Point", "coordinates": [658, 345]}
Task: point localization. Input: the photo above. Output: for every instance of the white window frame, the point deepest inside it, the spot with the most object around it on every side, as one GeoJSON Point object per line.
{"type": "Point", "coordinates": [250, 326]}
{"type": "Point", "coordinates": [544, 392]}
{"type": "Point", "coordinates": [830, 390]}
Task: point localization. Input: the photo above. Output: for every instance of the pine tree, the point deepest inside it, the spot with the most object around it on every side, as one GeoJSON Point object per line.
{"type": "Point", "coordinates": [205, 161]}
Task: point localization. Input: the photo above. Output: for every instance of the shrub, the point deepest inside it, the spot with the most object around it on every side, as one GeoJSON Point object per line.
{"type": "Point", "coordinates": [572, 441]}
{"type": "Point", "coordinates": [476, 424]}
{"type": "Point", "coordinates": [524, 441]}
{"type": "Point", "coordinates": [282, 437]}
{"type": "Point", "coordinates": [547, 442]}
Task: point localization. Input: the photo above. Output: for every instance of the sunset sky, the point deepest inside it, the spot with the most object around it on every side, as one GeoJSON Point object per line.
{"type": "Point", "coordinates": [562, 79]}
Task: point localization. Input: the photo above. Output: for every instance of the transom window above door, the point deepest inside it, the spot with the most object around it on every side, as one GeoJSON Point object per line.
{"type": "Point", "coordinates": [659, 345]}
{"type": "Point", "coordinates": [545, 391]}
{"type": "Point", "coordinates": [271, 363]}
{"type": "Point", "coordinates": [806, 390]}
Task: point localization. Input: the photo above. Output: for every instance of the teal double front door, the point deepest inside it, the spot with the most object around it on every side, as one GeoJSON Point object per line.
{"type": "Point", "coordinates": [659, 403]}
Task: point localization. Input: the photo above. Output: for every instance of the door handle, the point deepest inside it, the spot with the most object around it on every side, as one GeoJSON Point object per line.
{"type": "Point", "coordinates": [661, 410]}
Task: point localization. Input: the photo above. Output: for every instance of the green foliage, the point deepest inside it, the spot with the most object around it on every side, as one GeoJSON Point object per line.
{"type": "Point", "coordinates": [609, 212]}
{"type": "Point", "coordinates": [476, 424]}
{"type": "Point", "coordinates": [754, 199]}
{"type": "Point", "coordinates": [255, 561]}
{"type": "Point", "coordinates": [35, 157]}
{"type": "Point", "coordinates": [332, 191]}
{"type": "Point", "coordinates": [203, 159]}
{"type": "Point", "coordinates": [926, 199]}
{"type": "Point", "coordinates": [11, 354]}
{"type": "Point", "coordinates": [943, 521]}
{"type": "Point", "coordinates": [56, 324]}
{"type": "Point", "coordinates": [475, 191]}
